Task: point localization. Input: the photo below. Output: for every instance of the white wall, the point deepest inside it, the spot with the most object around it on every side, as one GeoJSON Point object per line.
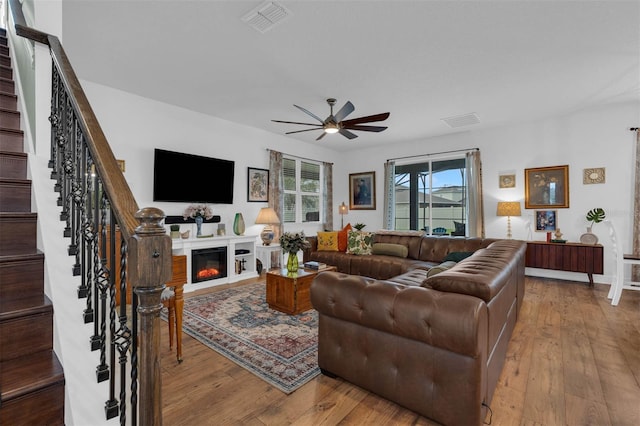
{"type": "Point", "coordinates": [134, 126]}
{"type": "Point", "coordinates": [595, 137]}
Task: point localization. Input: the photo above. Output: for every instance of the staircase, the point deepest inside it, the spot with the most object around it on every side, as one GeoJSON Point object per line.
{"type": "Point", "coordinates": [31, 377]}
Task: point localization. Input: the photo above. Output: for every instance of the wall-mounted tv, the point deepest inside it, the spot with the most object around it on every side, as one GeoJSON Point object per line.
{"type": "Point", "coordinates": [190, 178]}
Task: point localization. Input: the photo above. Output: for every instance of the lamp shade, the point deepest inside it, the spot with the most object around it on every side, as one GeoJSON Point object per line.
{"type": "Point", "coordinates": [342, 208]}
{"type": "Point", "coordinates": [508, 208]}
{"type": "Point", "coordinates": [267, 216]}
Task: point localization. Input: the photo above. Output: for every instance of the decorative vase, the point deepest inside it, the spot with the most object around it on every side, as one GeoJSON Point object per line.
{"type": "Point", "coordinates": [199, 220]}
{"type": "Point", "coordinates": [238, 224]}
{"type": "Point", "coordinates": [292, 263]}
{"type": "Point", "coordinates": [589, 237]}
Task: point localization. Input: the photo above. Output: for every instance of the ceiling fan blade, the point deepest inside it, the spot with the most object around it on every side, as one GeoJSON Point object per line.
{"type": "Point", "coordinates": [297, 122]}
{"type": "Point", "coordinates": [347, 134]}
{"type": "Point", "coordinates": [366, 128]}
{"type": "Point", "coordinates": [367, 119]}
{"type": "Point", "coordinates": [300, 131]}
{"type": "Point", "coordinates": [321, 136]}
{"type": "Point", "coordinates": [347, 109]}
{"type": "Point", "coordinates": [309, 112]}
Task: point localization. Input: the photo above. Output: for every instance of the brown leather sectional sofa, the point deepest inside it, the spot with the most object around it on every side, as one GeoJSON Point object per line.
{"type": "Point", "coordinates": [436, 344]}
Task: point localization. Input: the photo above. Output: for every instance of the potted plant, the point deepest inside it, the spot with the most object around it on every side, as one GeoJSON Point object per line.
{"type": "Point", "coordinates": [175, 231]}
{"type": "Point", "coordinates": [292, 243]}
{"type": "Point", "coordinates": [594, 216]}
{"type": "Point", "coordinates": [359, 226]}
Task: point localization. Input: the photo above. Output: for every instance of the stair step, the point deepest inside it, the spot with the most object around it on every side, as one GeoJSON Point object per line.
{"type": "Point", "coordinates": [15, 195]}
{"type": "Point", "coordinates": [11, 140]}
{"type": "Point", "coordinates": [32, 390]}
{"type": "Point", "coordinates": [9, 119]}
{"type": "Point", "coordinates": [18, 233]}
{"type": "Point", "coordinates": [7, 85]}
{"type": "Point", "coordinates": [13, 165]}
{"type": "Point", "coordinates": [6, 72]}
{"type": "Point", "coordinates": [5, 60]}
{"type": "Point", "coordinates": [26, 327]}
{"type": "Point", "coordinates": [8, 101]}
{"type": "Point", "coordinates": [4, 50]}
{"type": "Point", "coordinates": [22, 277]}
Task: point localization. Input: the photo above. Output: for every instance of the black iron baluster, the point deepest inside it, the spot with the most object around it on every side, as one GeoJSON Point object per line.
{"type": "Point", "coordinates": [87, 240]}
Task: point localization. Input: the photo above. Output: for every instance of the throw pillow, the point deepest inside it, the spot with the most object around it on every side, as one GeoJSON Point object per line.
{"type": "Point", "coordinates": [397, 250]}
{"type": "Point", "coordinates": [457, 256]}
{"type": "Point", "coordinates": [328, 241]}
{"type": "Point", "coordinates": [359, 242]}
{"type": "Point", "coordinates": [342, 238]}
{"type": "Point", "coordinates": [440, 268]}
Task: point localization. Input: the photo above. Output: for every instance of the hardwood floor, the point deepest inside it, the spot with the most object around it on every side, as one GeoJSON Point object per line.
{"type": "Point", "coordinates": [573, 360]}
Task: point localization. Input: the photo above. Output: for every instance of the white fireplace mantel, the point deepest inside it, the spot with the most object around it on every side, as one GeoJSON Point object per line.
{"type": "Point", "coordinates": [233, 243]}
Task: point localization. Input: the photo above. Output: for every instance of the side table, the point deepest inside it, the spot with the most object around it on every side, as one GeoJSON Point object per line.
{"type": "Point", "coordinates": [291, 293]}
{"type": "Point", "coordinates": [264, 254]}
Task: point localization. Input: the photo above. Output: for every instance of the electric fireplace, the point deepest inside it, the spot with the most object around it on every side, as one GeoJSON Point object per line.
{"type": "Point", "coordinates": [208, 264]}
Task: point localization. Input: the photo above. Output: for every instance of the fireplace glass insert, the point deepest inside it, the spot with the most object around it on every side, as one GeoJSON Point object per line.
{"type": "Point", "coordinates": [208, 264]}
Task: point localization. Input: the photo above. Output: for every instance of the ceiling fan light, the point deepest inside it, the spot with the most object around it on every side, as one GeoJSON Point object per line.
{"type": "Point", "coordinates": [331, 128]}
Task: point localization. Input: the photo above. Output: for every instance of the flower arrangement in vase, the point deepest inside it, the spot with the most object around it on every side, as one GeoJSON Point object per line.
{"type": "Point", "coordinates": [199, 212]}
{"type": "Point", "coordinates": [292, 243]}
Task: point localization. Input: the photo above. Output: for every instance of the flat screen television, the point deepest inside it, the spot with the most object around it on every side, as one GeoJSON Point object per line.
{"type": "Point", "coordinates": [189, 178]}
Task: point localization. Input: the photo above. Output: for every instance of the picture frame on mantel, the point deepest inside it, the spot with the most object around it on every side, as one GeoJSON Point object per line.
{"type": "Point", "coordinates": [362, 191]}
{"type": "Point", "coordinates": [546, 187]}
{"type": "Point", "coordinates": [257, 185]}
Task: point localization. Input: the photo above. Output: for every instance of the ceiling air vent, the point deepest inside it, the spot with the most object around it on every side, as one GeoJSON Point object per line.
{"type": "Point", "coordinates": [266, 16]}
{"type": "Point", "coordinates": [461, 120]}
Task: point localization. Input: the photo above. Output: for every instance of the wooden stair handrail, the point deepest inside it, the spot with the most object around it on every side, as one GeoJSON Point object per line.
{"type": "Point", "coordinates": [118, 191]}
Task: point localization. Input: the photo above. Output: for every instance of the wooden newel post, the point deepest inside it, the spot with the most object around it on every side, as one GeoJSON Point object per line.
{"type": "Point", "coordinates": [149, 270]}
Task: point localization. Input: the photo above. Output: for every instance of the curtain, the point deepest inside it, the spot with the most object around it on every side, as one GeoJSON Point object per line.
{"type": "Point", "coordinates": [474, 203]}
{"type": "Point", "coordinates": [276, 190]}
{"type": "Point", "coordinates": [327, 214]}
{"type": "Point", "coordinates": [389, 195]}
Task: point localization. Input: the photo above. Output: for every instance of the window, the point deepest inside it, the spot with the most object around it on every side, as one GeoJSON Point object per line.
{"type": "Point", "coordinates": [302, 190]}
{"type": "Point", "coordinates": [432, 195]}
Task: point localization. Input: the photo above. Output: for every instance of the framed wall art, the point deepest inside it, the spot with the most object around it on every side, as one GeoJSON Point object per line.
{"type": "Point", "coordinates": [507, 181]}
{"type": "Point", "coordinates": [546, 187]}
{"type": "Point", "coordinates": [257, 185]}
{"type": "Point", "coordinates": [593, 175]}
{"type": "Point", "coordinates": [362, 191]}
{"type": "Point", "coordinates": [546, 220]}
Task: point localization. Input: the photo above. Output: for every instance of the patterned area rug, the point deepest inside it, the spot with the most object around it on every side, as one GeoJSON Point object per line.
{"type": "Point", "coordinates": [237, 323]}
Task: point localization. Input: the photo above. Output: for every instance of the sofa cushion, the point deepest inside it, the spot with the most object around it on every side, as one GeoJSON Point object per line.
{"type": "Point", "coordinates": [328, 241]}
{"type": "Point", "coordinates": [359, 242]}
{"type": "Point", "coordinates": [342, 238]}
{"type": "Point", "coordinates": [397, 250]}
{"type": "Point", "coordinates": [444, 266]}
{"type": "Point", "coordinates": [457, 256]}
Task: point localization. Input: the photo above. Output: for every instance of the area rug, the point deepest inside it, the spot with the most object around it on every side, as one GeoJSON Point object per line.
{"type": "Point", "coordinates": [279, 348]}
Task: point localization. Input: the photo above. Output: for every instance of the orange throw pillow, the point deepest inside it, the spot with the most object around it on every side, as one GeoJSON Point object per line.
{"type": "Point", "coordinates": [342, 238]}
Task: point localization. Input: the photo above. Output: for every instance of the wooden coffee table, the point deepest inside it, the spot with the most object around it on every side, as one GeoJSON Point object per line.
{"type": "Point", "coordinates": [290, 293]}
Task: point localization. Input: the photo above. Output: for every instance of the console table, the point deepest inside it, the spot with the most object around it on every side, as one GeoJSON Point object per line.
{"type": "Point", "coordinates": [569, 257]}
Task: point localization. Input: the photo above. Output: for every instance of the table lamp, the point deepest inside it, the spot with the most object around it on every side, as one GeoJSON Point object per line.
{"type": "Point", "coordinates": [342, 209]}
{"type": "Point", "coordinates": [508, 209]}
{"type": "Point", "coordinates": [267, 216]}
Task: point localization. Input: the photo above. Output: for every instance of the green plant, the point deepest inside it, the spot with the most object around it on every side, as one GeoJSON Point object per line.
{"type": "Point", "coordinates": [293, 242]}
{"type": "Point", "coordinates": [359, 226]}
{"type": "Point", "coordinates": [596, 215]}
{"type": "Point", "coordinates": [174, 227]}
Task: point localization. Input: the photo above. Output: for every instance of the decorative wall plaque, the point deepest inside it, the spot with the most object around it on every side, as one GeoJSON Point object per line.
{"type": "Point", "coordinates": [593, 175]}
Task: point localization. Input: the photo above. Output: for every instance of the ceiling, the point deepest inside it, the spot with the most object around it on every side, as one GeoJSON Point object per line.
{"type": "Point", "coordinates": [505, 61]}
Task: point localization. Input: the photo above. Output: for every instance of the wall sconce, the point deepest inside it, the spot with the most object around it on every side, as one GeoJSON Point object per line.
{"type": "Point", "coordinates": [342, 209]}
{"type": "Point", "coordinates": [508, 209]}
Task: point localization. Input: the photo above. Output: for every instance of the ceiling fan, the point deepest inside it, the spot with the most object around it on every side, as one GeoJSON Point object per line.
{"type": "Point", "coordinates": [336, 123]}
